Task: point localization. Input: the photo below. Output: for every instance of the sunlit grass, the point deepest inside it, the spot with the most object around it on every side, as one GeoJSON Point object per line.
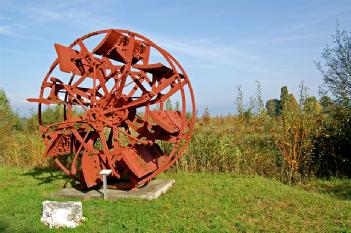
{"type": "Point", "coordinates": [196, 203]}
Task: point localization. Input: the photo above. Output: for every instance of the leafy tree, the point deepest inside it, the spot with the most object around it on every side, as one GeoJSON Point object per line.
{"type": "Point", "coordinates": [8, 115]}
{"type": "Point", "coordinates": [4, 101]}
{"type": "Point", "coordinates": [292, 104]}
{"type": "Point", "coordinates": [336, 67]}
{"type": "Point", "coordinates": [311, 105]}
{"type": "Point", "coordinates": [287, 103]}
{"type": "Point", "coordinates": [326, 103]}
{"type": "Point", "coordinates": [273, 107]}
{"type": "Point", "coordinates": [333, 147]}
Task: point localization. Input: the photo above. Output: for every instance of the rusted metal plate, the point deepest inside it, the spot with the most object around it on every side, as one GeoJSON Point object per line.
{"type": "Point", "coordinates": [115, 45]}
{"type": "Point", "coordinates": [91, 168]}
{"type": "Point", "coordinates": [66, 56]}
{"type": "Point", "coordinates": [158, 70]}
{"type": "Point", "coordinates": [143, 159]}
{"type": "Point", "coordinates": [168, 120]}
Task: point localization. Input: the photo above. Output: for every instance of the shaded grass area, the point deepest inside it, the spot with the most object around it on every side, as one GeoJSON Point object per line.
{"type": "Point", "coordinates": [196, 203]}
{"type": "Point", "coordinates": [338, 188]}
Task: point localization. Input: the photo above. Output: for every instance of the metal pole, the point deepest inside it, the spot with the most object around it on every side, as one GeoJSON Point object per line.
{"type": "Point", "coordinates": [105, 173]}
{"type": "Point", "coordinates": [104, 180]}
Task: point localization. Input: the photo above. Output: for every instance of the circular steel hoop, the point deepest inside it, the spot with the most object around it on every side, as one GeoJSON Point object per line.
{"type": "Point", "coordinates": [114, 109]}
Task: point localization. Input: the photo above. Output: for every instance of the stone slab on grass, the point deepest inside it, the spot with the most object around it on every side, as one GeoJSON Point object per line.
{"type": "Point", "coordinates": [62, 214]}
{"type": "Point", "coordinates": [151, 191]}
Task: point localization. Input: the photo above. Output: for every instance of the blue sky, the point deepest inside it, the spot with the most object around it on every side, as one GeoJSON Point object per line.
{"type": "Point", "coordinates": [221, 44]}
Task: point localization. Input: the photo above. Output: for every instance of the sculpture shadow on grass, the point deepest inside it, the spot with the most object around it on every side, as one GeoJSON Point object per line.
{"type": "Point", "coordinates": [46, 175]}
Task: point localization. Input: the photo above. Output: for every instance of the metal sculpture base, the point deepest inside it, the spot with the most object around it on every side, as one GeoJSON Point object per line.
{"type": "Point", "coordinates": [151, 191]}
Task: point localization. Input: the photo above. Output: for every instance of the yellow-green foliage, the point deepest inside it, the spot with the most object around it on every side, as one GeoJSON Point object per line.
{"type": "Point", "coordinates": [221, 144]}
{"type": "Point", "coordinates": [18, 147]}
{"type": "Point", "coordinates": [277, 144]}
{"type": "Point", "coordinates": [230, 144]}
{"type": "Point", "coordinates": [24, 150]}
{"type": "Point", "coordinates": [295, 133]}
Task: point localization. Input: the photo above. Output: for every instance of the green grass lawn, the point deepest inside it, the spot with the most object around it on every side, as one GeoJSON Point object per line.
{"type": "Point", "coordinates": [196, 203]}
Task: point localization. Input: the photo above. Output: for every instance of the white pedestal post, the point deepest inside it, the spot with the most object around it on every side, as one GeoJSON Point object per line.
{"type": "Point", "coordinates": [105, 173]}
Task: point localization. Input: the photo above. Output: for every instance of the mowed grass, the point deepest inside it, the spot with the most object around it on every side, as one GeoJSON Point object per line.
{"type": "Point", "coordinates": [196, 203]}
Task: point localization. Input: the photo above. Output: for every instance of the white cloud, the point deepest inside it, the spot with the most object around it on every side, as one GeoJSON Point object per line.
{"type": "Point", "coordinates": [210, 53]}
{"type": "Point", "coordinates": [67, 12]}
{"type": "Point", "coordinates": [8, 30]}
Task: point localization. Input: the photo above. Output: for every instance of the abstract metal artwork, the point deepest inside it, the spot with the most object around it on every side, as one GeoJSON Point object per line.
{"type": "Point", "coordinates": [113, 87]}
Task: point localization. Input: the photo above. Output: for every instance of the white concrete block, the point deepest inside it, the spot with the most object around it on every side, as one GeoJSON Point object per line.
{"type": "Point", "coordinates": [62, 214]}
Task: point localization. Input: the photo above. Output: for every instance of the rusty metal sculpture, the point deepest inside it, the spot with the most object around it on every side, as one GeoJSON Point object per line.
{"type": "Point", "coordinates": [113, 87]}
